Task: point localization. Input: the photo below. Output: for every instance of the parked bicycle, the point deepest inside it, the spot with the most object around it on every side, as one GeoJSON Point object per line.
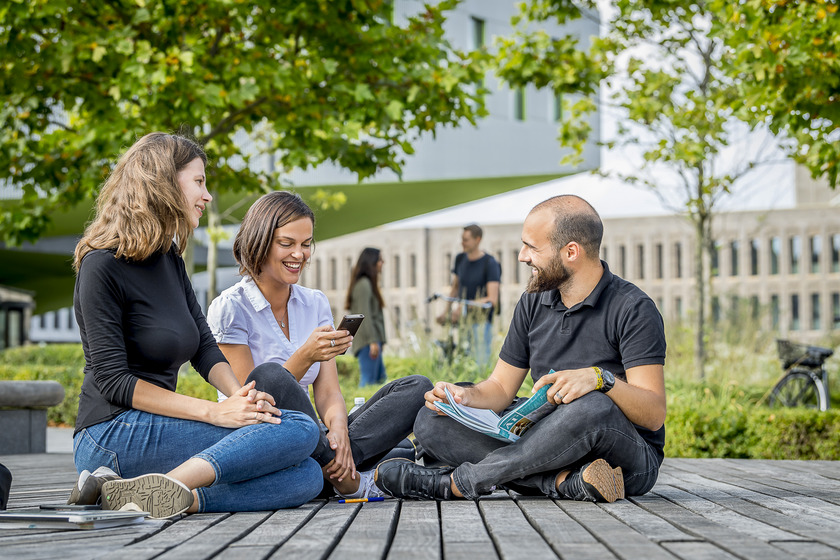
{"type": "Point", "coordinates": [805, 382]}
{"type": "Point", "coordinates": [458, 340]}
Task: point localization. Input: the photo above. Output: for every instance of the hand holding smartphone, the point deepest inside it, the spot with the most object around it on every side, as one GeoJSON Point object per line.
{"type": "Point", "coordinates": [350, 323]}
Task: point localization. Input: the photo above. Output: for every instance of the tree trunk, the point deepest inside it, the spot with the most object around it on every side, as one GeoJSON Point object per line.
{"type": "Point", "coordinates": [213, 224]}
{"type": "Point", "coordinates": [700, 291]}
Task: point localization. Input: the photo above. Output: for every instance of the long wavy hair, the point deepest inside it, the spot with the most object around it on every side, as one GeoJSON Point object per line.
{"type": "Point", "coordinates": [141, 208]}
{"type": "Point", "coordinates": [252, 244]}
{"type": "Point", "coordinates": [366, 267]}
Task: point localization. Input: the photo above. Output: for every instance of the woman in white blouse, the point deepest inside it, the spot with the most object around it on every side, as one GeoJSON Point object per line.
{"type": "Point", "coordinates": [267, 317]}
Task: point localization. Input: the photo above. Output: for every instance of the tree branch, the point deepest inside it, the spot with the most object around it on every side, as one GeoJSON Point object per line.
{"type": "Point", "coordinates": [227, 123]}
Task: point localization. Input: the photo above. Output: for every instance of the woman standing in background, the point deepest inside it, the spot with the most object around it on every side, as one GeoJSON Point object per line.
{"type": "Point", "coordinates": [363, 296]}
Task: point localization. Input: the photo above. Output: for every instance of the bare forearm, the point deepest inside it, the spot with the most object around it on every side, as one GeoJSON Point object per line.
{"type": "Point", "coordinates": [642, 407]}
{"type": "Point", "coordinates": [222, 378]}
{"type": "Point", "coordinates": [157, 400]}
{"type": "Point", "coordinates": [298, 365]}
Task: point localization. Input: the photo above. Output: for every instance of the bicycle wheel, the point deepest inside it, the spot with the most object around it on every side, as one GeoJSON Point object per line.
{"type": "Point", "coordinates": [799, 388]}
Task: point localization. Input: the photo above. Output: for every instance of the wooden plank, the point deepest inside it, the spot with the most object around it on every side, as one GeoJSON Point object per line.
{"type": "Point", "coordinates": [215, 538]}
{"type": "Point", "coordinates": [265, 538]}
{"type": "Point", "coordinates": [809, 550]}
{"type": "Point", "coordinates": [653, 527]}
{"type": "Point", "coordinates": [675, 508]}
{"type": "Point", "coordinates": [418, 532]}
{"type": "Point", "coordinates": [370, 532]}
{"type": "Point", "coordinates": [621, 540]}
{"type": "Point", "coordinates": [464, 534]}
{"type": "Point", "coordinates": [319, 535]}
{"type": "Point", "coordinates": [697, 551]}
{"type": "Point", "coordinates": [566, 536]}
{"type": "Point", "coordinates": [512, 534]}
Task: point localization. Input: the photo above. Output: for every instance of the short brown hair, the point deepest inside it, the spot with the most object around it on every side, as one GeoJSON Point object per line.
{"type": "Point", "coordinates": [574, 220]}
{"type": "Point", "coordinates": [475, 231]}
{"type": "Point", "coordinates": [141, 206]}
{"type": "Point", "coordinates": [253, 241]}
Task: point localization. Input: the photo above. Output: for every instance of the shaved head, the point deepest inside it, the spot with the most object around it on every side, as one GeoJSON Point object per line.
{"type": "Point", "coordinates": [574, 220]}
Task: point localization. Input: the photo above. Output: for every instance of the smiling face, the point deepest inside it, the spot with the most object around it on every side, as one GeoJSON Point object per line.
{"type": "Point", "coordinates": [193, 184]}
{"type": "Point", "coordinates": [291, 247]}
{"type": "Point", "coordinates": [547, 268]}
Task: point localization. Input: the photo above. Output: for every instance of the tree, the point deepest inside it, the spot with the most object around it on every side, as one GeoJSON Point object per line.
{"type": "Point", "coordinates": [308, 82]}
{"type": "Point", "coordinates": [676, 103]}
{"type": "Point", "coordinates": [786, 60]}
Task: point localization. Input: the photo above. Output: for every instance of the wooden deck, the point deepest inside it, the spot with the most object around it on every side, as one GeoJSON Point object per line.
{"type": "Point", "coordinates": [699, 509]}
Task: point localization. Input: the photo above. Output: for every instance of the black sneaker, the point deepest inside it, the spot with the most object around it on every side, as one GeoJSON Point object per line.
{"type": "Point", "coordinates": [595, 482]}
{"type": "Point", "coordinates": [402, 478]}
{"type": "Point", "coordinates": [86, 491]}
{"type": "Point", "coordinates": [162, 496]}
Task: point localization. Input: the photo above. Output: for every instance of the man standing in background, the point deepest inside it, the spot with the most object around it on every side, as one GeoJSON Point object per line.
{"type": "Point", "coordinates": [475, 277]}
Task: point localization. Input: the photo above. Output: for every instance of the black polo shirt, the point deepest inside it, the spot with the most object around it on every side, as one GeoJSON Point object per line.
{"type": "Point", "coordinates": [616, 327]}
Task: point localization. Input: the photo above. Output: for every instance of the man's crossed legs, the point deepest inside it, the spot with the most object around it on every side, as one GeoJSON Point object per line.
{"type": "Point", "coordinates": [568, 454]}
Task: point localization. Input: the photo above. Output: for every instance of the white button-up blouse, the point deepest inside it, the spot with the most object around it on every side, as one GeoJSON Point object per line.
{"type": "Point", "coordinates": [242, 315]}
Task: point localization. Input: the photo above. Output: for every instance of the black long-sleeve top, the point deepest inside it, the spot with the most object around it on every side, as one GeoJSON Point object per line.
{"type": "Point", "coordinates": [138, 320]}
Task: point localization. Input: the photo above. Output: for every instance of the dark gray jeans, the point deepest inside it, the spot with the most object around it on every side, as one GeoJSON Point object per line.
{"type": "Point", "coordinates": [375, 428]}
{"type": "Point", "coordinates": [586, 429]}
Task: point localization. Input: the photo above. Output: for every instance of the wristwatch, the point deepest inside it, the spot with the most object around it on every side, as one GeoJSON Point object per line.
{"type": "Point", "coordinates": [605, 378]}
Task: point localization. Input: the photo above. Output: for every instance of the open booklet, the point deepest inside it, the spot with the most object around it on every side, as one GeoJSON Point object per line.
{"type": "Point", "coordinates": [510, 426]}
{"type": "Point", "coordinates": [68, 519]}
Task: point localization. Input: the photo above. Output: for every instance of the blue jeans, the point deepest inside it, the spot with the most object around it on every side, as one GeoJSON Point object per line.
{"type": "Point", "coordinates": [375, 428]}
{"type": "Point", "coordinates": [481, 342]}
{"type": "Point", "coordinates": [260, 467]}
{"type": "Point", "coordinates": [586, 429]}
{"type": "Point", "coordinates": [371, 372]}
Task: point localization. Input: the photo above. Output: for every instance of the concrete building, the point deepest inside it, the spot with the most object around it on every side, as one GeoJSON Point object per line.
{"type": "Point", "coordinates": [783, 264]}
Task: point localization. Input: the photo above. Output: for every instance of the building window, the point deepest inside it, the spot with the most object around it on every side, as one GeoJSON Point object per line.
{"type": "Point", "coordinates": [815, 312]}
{"type": "Point", "coordinates": [640, 261]}
{"type": "Point", "coordinates": [333, 274]}
{"type": "Point", "coordinates": [678, 307]}
{"type": "Point", "coordinates": [835, 310]}
{"type": "Point", "coordinates": [816, 250]}
{"type": "Point", "coordinates": [678, 273]}
{"type": "Point", "coordinates": [659, 270]}
{"type": "Point", "coordinates": [558, 107]}
{"type": "Point", "coordinates": [478, 27]}
{"type": "Point", "coordinates": [775, 254]}
{"type": "Point", "coordinates": [755, 308]}
{"type": "Point", "coordinates": [318, 274]}
{"type": "Point", "coordinates": [519, 104]}
{"type": "Point", "coordinates": [715, 258]}
{"type": "Point", "coordinates": [733, 261]}
{"type": "Point", "coordinates": [397, 319]}
{"type": "Point", "coordinates": [396, 271]}
{"type": "Point", "coordinates": [349, 269]}
{"type": "Point", "coordinates": [795, 253]}
{"type": "Point", "coordinates": [755, 247]}
{"type": "Point", "coordinates": [412, 271]}
{"type": "Point", "coordinates": [447, 268]}
{"type": "Point", "coordinates": [835, 253]}
{"type": "Point", "coordinates": [794, 312]}
{"type": "Point", "coordinates": [774, 311]}
{"type": "Point", "coordinates": [517, 268]}
{"type": "Point", "coordinates": [622, 261]}
{"type": "Point", "coordinates": [715, 309]}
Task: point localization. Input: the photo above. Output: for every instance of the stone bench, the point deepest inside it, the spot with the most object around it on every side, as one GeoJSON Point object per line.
{"type": "Point", "coordinates": [23, 415]}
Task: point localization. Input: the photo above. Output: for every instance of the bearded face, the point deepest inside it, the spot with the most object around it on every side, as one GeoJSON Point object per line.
{"type": "Point", "coordinates": [553, 275]}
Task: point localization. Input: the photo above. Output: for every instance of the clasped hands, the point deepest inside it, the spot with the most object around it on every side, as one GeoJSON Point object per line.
{"type": "Point", "coordinates": [246, 407]}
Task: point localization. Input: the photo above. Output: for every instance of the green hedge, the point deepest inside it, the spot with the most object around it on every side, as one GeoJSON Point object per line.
{"type": "Point", "coordinates": [719, 422]}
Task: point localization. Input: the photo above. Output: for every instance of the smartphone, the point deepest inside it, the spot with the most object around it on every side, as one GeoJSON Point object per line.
{"type": "Point", "coordinates": [350, 323]}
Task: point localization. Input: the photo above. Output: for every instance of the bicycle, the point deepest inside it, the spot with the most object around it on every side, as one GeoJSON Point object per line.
{"type": "Point", "coordinates": [805, 382]}
{"type": "Point", "coordinates": [457, 342]}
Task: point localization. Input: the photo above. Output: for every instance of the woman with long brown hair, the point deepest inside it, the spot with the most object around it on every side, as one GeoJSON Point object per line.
{"type": "Point", "coordinates": [139, 322]}
{"type": "Point", "coordinates": [364, 296]}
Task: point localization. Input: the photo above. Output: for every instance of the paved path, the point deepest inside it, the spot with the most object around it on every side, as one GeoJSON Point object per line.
{"type": "Point", "coordinates": [700, 509]}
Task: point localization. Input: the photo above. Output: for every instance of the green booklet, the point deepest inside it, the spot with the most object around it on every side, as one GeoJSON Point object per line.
{"type": "Point", "coordinates": [508, 427]}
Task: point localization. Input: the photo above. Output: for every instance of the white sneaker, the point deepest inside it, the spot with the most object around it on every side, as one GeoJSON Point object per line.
{"type": "Point", "coordinates": [367, 488]}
